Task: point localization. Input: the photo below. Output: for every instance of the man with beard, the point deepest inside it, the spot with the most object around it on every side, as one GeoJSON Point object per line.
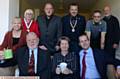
{"type": "Point", "coordinates": [73, 26]}
{"type": "Point", "coordinates": [113, 32]}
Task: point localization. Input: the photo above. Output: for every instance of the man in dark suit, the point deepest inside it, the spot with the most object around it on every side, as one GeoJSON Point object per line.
{"type": "Point", "coordinates": [50, 28]}
{"type": "Point", "coordinates": [93, 62]}
{"type": "Point", "coordinates": [73, 26]}
{"type": "Point", "coordinates": [31, 60]}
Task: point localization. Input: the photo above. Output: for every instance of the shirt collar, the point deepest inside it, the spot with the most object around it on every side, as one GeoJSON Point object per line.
{"type": "Point", "coordinates": [99, 23]}
{"type": "Point", "coordinates": [32, 49]}
{"type": "Point", "coordinates": [50, 17]}
{"type": "Point", "coordinates": [35, 51]}
{"type": "Point", "coordinates": [88, 51]}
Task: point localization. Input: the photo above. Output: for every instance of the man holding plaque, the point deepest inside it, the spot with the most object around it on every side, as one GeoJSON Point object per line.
{"type": "Point", "coordinates": [73, 26]}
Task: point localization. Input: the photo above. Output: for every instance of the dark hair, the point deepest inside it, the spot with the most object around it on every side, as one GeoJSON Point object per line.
{"type": "Point", "coordinates": [62, 38]}
{"type": "Point", "coordinates": [84, 34]}
{"type": "Point", "coordinates": [97, 11]}
{"type": "Point", "coordinates": [73, 4]}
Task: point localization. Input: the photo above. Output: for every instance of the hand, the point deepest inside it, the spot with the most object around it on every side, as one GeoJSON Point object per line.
{"type": "Point", "coordinates": [58, 70]}
{"type": "Point", "coordinates": [1, 55]}
{"type": "Point", "coordinates": [57, 47]}
{"type": "Point", "coordinates": [115, 46]}
{"type": "Point", "coordinates": [118, 72]}
{"type": "Point", "coordinates": [67, 71]}
{"type": "Point", "coordinates": [43, 47]}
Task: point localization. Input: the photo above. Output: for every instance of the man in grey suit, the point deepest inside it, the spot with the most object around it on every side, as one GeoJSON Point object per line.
{"type": "Point", "coordinates": [50, 28]}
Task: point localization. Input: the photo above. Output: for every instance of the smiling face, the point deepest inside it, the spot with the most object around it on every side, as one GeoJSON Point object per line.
{"type": "Point", "coordinates": [16, 24]}
{"type": "Point", "coordinates": [84, 42]}
{"type": "Point", "coordinates": [48, 9]}
{"type": "Point", "coordinates": [73, 10]}
{"type": "Point", "coordinates": [32, 40]}
{"type": "Point", "coordinates": [64, 45]}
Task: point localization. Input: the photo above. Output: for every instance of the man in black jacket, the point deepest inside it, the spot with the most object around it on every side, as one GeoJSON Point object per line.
{"type": "Point", "coordinates": [113, 32]}
{"type": "Point", "coordinates": [73, 26]}
{"type": "Point", "coordinates": [50, 28]}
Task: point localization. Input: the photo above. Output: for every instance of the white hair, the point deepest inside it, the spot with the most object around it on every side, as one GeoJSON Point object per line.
{"type": "Point", "coordinates": [28, 11]}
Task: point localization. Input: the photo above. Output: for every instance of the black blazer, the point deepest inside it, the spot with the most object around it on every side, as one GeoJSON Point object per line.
{"type": "Point", "coordinates": [67, 29]}
{"type": "Point", "coordinates": [101, 61]}
{"type": "Point", "coordinates": [113, 33]}
{"type": "Point", "coordinates": [43, 63]}
{"type": "Point", "coordinates": [51, 33]}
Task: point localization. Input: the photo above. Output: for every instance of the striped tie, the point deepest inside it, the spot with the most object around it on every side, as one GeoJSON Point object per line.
{"type": "Point", "coordinates": [31, 69]}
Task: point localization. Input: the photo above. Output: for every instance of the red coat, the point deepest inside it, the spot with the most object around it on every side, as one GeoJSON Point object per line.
{"type": "Point", "coordinates": [8, 41]}
{"type": "Point", "coordinates": [33, 28]}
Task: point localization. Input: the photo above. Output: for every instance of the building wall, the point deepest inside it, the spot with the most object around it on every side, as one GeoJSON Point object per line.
{"type": "Point", "coordinates": [8, 10]}
{"type": "Point", "coordinates": [115, 6]}
{"type": "Point", "coordinates": [3, 18]}
{"type": "Point", "coordinates": [25, 5]}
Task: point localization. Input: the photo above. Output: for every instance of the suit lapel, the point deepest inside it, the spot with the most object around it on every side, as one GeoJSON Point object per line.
{"type": "Point", "coordinates": [51, 22]}
{"type": "Point", "coordinates": [39, 59]}
{"type": "Point", "coordinates": [68, 20]}
{"type": "Point", "coordinates": [44, 22]}
{"type": "Point", "coordinates": [26, 60]}
{"type": "Point", "coordinates": [97, 60]}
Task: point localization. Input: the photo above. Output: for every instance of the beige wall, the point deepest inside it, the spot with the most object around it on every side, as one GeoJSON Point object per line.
{"type": "Point", "coordinates": [8, 10]}
{"type": "Point", "coordinates": [115, 5]}
{"type": "Point", "coordinates": [25, 5]}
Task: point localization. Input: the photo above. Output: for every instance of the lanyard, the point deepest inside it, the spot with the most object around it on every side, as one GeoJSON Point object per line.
{"type": "Point", "coordinates": [28, 25]}
{"type": "Point", "coordinates": [73, 25]}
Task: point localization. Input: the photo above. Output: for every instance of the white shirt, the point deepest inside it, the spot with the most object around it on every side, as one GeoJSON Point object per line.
{"type": "Point", "coordinates": [91, 70]}
{"type": "Point", "coordinates": [35, 56]}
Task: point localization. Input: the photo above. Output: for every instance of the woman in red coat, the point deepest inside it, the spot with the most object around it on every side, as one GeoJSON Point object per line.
{"type": "Point", "coordinates": [13, 39]}
{"type": "Point", "coordinates": [28, 23]}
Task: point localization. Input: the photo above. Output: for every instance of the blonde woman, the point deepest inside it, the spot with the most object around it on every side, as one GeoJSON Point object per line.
{"type": "Point", "coordinates": [12, 40]}
{"type": "Point", "coordinates": [29, 24]}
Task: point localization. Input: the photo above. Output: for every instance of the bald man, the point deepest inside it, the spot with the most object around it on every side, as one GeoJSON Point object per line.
{"type": "Point", "coordinates": [31, 60]}
{"type": "Point", "coordinates": [112, 33]}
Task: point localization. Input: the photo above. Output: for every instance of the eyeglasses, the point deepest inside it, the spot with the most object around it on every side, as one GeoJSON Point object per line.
{"type": "Point", "coordinates": [97, 16]}
{"type": "Point", "coordinates": [29, 14]}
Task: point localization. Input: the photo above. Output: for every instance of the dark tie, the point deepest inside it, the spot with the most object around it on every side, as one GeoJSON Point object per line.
{"type": "Point", "coordinates": [83, 66]}
{"type": "Point", "coordinates": [31, 69]}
